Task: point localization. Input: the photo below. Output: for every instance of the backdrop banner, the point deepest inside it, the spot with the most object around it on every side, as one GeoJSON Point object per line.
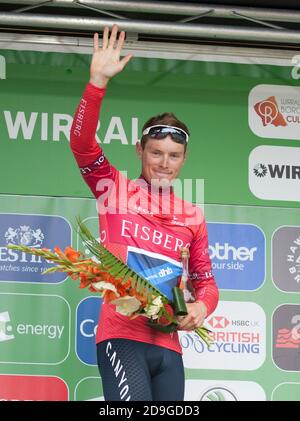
{"type": "Point", "coordinates": [243, 167]}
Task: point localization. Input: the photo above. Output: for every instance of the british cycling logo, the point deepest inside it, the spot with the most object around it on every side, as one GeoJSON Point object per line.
{"type": "Point", "coordinates": [32, 231]}
{"type": "Point", "coordinates": [5, 327]}
{"type": "Point", "coordinates": [2, 68]}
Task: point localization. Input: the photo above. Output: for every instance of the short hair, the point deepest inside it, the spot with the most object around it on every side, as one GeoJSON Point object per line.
{"type": "Point", "coordinates": [168, 119]}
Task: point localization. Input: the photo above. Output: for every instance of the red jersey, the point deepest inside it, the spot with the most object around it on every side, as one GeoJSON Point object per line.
{"type": "Point", "coordinates": [144, 226]}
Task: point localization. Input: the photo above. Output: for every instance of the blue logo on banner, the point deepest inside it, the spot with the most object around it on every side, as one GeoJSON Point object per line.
{"type": "Point", "coordinates": [237, 252]}
{"type": "Point", "coordinates": [159, 272]}
{"type": "Point", "coordinates": [87, 320]}
{"type": "Point", "coordinates": [39, 231]}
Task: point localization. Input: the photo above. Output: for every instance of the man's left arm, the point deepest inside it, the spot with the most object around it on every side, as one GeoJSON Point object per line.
{"type": "Point", "coordinates": [202, 279]}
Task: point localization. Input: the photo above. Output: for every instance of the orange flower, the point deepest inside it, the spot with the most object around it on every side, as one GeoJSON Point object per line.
{"type": "Point", "coordinates": [84, 281]}
{"type": "Point", "coordinates": [72, 254]}
{"type": "Point", "coordinates": [109, 296]}
{"type": "Point", "coordinates": [59, 253]}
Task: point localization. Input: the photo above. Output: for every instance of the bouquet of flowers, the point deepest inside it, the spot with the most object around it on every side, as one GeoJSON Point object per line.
{"type": "Point", "coordinates": [116, 283]}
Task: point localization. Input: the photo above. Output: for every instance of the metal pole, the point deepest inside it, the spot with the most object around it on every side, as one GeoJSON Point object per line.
{"type": "Point", "coordinates": [176, 8]}
{"type": "Point", "coordinates": [155, 28]}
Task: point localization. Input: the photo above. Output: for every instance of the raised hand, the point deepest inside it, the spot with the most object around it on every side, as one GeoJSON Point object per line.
{"type": "Point", "coordinates": [106, 61]}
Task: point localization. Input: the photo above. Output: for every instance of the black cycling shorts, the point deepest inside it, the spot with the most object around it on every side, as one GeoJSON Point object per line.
{"type": "Point", "coordinates": [138, 371]}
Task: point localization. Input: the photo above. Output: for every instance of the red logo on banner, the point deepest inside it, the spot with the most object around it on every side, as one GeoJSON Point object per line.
{"type": "Point", "coordinates": [219, 322]}
{"type": "Point", "coordinates": [269, 112]}
{"type": "Point", "coordinates": [32, 388]}
{"type": "Point", "coordinates": [287, 338]}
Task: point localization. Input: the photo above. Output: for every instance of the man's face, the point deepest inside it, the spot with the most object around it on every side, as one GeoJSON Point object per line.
{"type": "Point", "coordinates": [162, 160]}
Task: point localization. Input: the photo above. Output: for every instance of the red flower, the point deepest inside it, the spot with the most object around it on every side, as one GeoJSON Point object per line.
{"type": "Point", "coordinates": [163, 319]}
{"type": "Point", "coordinates": [72, 254]}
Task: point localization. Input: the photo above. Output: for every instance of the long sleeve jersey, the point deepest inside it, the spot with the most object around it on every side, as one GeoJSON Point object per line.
{"type": "Point", "coordinates": [145, 227]}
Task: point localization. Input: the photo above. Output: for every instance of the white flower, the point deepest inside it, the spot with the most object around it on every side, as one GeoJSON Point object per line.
{"type": "Point", "coordinates": [153, 309]}
{"type": "Point", "coordinates": [102, 286]}
{"type": "Point", "coordinates": [126, 305]}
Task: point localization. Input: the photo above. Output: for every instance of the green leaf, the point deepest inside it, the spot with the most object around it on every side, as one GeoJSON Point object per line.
{"type": "Point", "coordinates": [112, 264]}
{"type": "Point", "coordinates": [126, 276]}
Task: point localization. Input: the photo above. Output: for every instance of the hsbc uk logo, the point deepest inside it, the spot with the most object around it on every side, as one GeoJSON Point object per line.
{"type": "Point", "coordinates": [218, 322]}
{"type": "Point", "coordinates": [32, 231]}
{"type": "Point", "coordinates": [286, 258]}
{"type": "Point", "coordinates": [221, 322]}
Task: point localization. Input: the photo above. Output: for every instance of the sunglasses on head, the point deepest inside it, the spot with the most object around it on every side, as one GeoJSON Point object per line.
{"type": "Point", "coordinates": [161, 131]}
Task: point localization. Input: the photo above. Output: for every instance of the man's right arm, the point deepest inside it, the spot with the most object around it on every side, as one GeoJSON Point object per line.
{"type": "Point", "coordinates": [88, 154]}
{"type": "Point", "coordinates": [105, 64]}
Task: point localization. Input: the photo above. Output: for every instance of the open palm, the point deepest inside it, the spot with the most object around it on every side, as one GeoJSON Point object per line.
{"type": "Point", "coordinates": [106, 61]}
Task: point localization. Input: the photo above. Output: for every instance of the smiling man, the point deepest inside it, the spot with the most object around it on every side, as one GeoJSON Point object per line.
{"type": "Point", "coordinates": [162, 149]}
{"type": "Point", "coordinates": [146, 225]}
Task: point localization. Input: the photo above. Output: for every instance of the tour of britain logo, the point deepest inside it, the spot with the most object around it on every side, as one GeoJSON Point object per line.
{"type": "Point", "coordinates": [33, 231]}
{"type": "Point", "coordinates": [286, 337]}
{"type": "Point", "coordinates": [274, 111]}
{"type": "Point", "coordinates": [286, 258]}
